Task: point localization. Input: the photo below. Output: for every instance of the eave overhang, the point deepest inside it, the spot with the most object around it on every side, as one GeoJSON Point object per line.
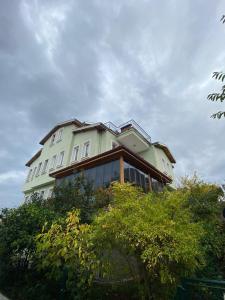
{"type": "Point", "coordinates": [70, 122]}
{"type": "Point", "coordinates": [33, 158]}
{"type": "Point", "coordinates": [98, 126]}
{"type": "Point", "coordinates": [166, 150]}
{"type": "Point", "coordinates": [110, 155]}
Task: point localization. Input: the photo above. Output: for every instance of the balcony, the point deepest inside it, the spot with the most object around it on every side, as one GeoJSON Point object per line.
{"type": "Point", "coordinates": [131, 135]}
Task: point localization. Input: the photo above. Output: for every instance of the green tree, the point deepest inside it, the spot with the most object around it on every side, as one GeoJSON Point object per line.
{"type": "Point", "coordinates": [204, 202]}
{"type": "Point", "coordinates": [149, 239]}
{"type": "Point", "coordinates": [18, 228]}
{"type": "Point", "coordinates": [78, 194]}
{"type": "Point", "coordinates": [219, 96]}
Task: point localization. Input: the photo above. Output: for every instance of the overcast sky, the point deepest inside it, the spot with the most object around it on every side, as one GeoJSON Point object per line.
{"type": "Point", "coordinates": [111, 60]}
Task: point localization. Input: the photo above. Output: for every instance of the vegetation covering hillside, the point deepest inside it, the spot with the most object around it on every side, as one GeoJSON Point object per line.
{"type": "Point", "coordinates": [118, 243]}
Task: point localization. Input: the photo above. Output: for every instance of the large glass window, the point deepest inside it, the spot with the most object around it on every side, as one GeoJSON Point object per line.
{"type": "Point", "coordinates": [136, 176]}
{"type": "Point", "coordinates": [99, 176]}
{"type": "Point", "coordinates": [157, 186]}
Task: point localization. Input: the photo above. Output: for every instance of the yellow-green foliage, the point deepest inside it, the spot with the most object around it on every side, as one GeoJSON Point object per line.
{"type": "Point", "coordinates": [152, 232]}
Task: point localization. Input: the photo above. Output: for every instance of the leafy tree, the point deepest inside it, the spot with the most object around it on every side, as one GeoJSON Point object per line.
{"type": "Point", "coordinates": [220, 96]}
{"type": "Point", "coordinates": [147, 238]}
{"type": "Point", "coordinates": [78, 194]}
{"type": "Point", "coordinates": [18, 228]}
{"type": "Point", "coordinates": [204, 202]}
{"type": "Point", "coordinates": [66, 248]}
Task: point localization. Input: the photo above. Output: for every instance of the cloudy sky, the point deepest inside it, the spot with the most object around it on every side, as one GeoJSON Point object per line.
{"type": "Point", "coordinates": [111, 60]}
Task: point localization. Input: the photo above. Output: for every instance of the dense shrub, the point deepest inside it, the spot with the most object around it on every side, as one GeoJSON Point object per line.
{"type": "Point", "coordinates": [116, 243]}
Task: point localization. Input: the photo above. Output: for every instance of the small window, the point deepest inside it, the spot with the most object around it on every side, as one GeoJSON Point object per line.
{"type": "Point", "coordinates": [35, 169]}
{"type": "Point", "coordinates": [60, 159]}
{"type": "Point", "coordinates": [114, 144]}
{"type": "Point", "coordinates": [42, 194]}
{"type": "Point", "coordinates": [50, 193]}
{"type": "Point", "coordinates": [53, 163]}
{"type": "Point", "coordinates": [53, 139]}
{"type": "Point", "coordinates": [45, 167]}
{"type": "Point", "coordinates": [60, 133]}
{"type": "Point", "coordinates": [38, 169]}
{"type": "Point", "coordinates": [75, 153]}
{"type": "Point", "coordinates": [86, 149]}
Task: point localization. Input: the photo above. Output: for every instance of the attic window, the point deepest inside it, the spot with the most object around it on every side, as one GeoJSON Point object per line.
{"type": "Point", "coordinates": [53, 139]}
{"type": "Point", "coordinates": [60, 132]}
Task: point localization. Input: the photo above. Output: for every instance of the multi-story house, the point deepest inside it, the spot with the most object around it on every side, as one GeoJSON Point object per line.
{"type": "Point", "coordinates": [103, 153]}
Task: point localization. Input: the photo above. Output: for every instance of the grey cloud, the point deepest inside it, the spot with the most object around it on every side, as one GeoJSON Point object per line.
{"type": "Point", "coordinates": [113, 60]}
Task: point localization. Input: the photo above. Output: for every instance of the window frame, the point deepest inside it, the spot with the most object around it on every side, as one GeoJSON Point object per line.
{"type": "Point", "coordinates": [60, 159]}
{"type": "Point", "coordinates": [54, 159]}
{"type": "Point", "coordinates": [38, 169]}
{"type": "Point", "coordinates": [77, 154]}
{"type": "Point", "coordinates": [50, 193]}
{"type": "Point", "coordinates": [60, 134]}
{"type": "Point", "coordinates": [88, 142]}
{"type": "Point", "coordinates": [29, 175]}
{"type": "Point", "coordinates": [45, 165]}
{"type": "Point", "coordinates": [32, 177]}
{"type": "Point", "coordinates": [42, 194]}
{"type": "Point", "coordinates": [53, 138]}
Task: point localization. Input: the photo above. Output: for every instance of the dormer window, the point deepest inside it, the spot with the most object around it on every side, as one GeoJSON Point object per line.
{"type": "Point", "coordinates": [86, 149]}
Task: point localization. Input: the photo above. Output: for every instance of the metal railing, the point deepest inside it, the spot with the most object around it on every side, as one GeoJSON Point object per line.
{"type": "Point", "coordinates": [133, 124]}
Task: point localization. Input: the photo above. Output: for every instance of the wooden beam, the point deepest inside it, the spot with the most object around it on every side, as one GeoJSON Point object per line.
{"type": "Point", "coordinates": [150, 183]}
{"type": "Point", "coordinates": [121, 170]}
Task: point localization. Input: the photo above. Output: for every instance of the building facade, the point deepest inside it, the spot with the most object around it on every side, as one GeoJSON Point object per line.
{"type": "Point", "coordinates": [102, 153]}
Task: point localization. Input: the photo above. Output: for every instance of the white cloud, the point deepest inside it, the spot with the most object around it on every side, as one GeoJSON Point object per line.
{"type": "Point", "coordinates": [12, 176]}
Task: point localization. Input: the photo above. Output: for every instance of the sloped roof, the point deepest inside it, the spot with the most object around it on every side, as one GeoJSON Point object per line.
{"type": "Point", "coordinates": [166, 150]}
{"type": "Point", "coordinates": [99, 126]}
{"type": "Point", "coordinates": [59, 125]}
{"type": "Point", "coordinates": [33, 158]}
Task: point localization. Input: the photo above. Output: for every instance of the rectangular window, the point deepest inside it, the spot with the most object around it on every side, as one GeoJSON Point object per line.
{"type": "Point", "coordinates": [50, 193]}
{"type": "Point", "coordinates": [164, 164]}
{"type": "Point", "coordinates": [29, 175]}
{"type": "Point", "coordinates": [41, 195]}
{"type": "Point", "coordinates": [53, 139]}
{"type": "Point", "coordinates": [75, 153]}
{"type": "Point", "coordinates": [53, 162]}
{"type": "Point", "coordinates": [35, 169]}
{"type": "Point", "coordinates": [60, 133]}
{"type": "Point", "coordinates": [45, 167]}
{"type": "Point", "coordinates": [60, 159]}
{"type": "Point", "coordinates": [38, 169]}
{"type": "Point", "coordinates": [86, 149]}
